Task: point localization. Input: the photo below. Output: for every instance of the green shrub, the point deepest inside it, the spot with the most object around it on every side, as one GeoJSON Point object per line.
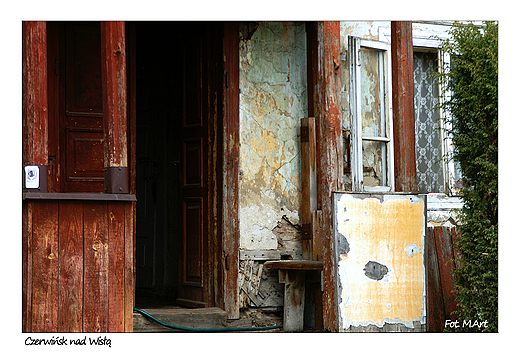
{"type": "Point", "coordinates": [473, 110]}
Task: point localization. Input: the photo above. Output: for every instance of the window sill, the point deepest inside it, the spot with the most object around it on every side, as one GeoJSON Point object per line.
{"type": "Point", "coordinates": [79, 196]}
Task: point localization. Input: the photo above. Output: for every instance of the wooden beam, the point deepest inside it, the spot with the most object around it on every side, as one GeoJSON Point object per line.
{"type": "Point", "coordinates": [403, 107]}
{"type": "Point", "coordinates": [230, 141]}
{"type": "Point", "coordinates": [329, 152]}
{"type": "Point", "coordinates": [294, 299]}
{"type": "Point", "coordinates": [114, 78]}
{"type": "Point", "coordinates": [309, 185]}
{"type": "Point", "coordinates": [35, 149]}
{"type": "Point", "coordinates": [34, 86]}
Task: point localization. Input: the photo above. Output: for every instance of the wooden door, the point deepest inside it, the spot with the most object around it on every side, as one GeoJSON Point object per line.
{"type": "Point", "coordinates": [78, 66]}
{"type": "Point", "coordinates": [194, 177]}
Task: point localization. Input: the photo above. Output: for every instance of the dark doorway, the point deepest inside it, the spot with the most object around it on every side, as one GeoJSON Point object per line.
{"type": "Point", "coordinates": [178, 90]}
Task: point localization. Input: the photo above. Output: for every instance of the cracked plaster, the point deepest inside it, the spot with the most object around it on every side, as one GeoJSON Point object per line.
{"type": "Point", "coordinates": [273, 99]}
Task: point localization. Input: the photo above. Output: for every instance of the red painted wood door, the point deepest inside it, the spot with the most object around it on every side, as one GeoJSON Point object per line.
{"type": "Point", "coordinates": [78, 66]}
{"type": "Point", "coordinates": [194, 179]}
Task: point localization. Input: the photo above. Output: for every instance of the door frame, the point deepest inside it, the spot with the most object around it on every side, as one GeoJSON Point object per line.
{"type": "Point", "coordinates": [223, 145]}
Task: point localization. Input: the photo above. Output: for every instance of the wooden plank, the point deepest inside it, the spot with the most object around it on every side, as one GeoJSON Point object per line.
{"type": "Point", "coordinates": [435, 300]}
{"type": "Point", "coordinates": [95, 318]}
{"type": "Point", "coordinates": [113, 72]}
{"type": "Point", "coordinates": [230, 140]}
{"type": "Point", "coordinates": [403, 107]}
{"type": "Point", "coordinates": [129, 274]}
{"type": "Point", "coordinates": [309, 184]}
{"type": "Point", "coordinates": [116, 267]}
{"type": "Point", "coordinates": [27, 231]}
{"type": "Point", "coordinates": [446, 267]}
{"type": "Point", "coordinates": [80, 196]}
{"type": "Point", "coordinates": [34, 85]}
{"type": "Point", "coordinates": [132, 101]}
{"type": "Point", "coordinates": [293, 264]}
{"type": "Point", "coordinates": [45, 262]}
{"type": "Point", "coordinates": [294, 301]}
{"type": "Point", "coordinates": [259, 255]}
{"type": "Point", "coordinates": [71, 266]}
{"type": "Point", "coordinates": [329, 146]}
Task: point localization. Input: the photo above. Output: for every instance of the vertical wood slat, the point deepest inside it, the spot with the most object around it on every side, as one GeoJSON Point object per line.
{"type": "Point", "coordinates": [34, 85]}
{"type": "Point", "coordinates": [441, 282]}
{"type": "Point", "coordinates": [96, 261]}
{"type": "Point", "coordinates": [309, 185]}
{"type": "Point", "coordinates": [435, 298]}
{"type": "Point", "coordinates": [129, 267]}
{"type": "Point", "coordinates": [116, 267]}
{"type": "Point", "coordinates": [230, 222]}
{"type": "Point", "coordinates": [403, 107]}
{"type": "Point", "coordinates": [329, 153]}
{"type": "Point", "coordinates": [71, 267]}
{"type": "Point", "coordinates": [446, 268]}
{"type": "Point", "coordinates": [45, 268]}
{"type": "Point", "coordinates": [113, 72]}
{"type": "Point", "coordinates": [27, 269]}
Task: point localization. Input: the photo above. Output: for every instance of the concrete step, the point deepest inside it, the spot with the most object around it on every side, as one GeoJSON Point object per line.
{"type": "Point", "coordinates": [209, 317]}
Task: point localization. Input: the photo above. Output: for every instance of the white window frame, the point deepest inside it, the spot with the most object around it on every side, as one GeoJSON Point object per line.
{"type": "Point", "coordinates": [385, 72]}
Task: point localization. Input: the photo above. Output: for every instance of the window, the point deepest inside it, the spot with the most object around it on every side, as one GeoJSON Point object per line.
{"type": "Point", "coordinates": [436, 170]}
{"type": "Point", "coordinates": [367, 115]}
{"type": "Point", "coordinates": [428, 133]}
{"type": "Point", "coordinates": [370, 112]}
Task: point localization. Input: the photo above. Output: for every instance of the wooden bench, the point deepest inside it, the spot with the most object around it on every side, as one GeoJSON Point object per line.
{"type": "Point", "coordinates": [294, 274]}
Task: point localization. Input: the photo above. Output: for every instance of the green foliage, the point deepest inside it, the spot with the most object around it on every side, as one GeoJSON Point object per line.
{"type": "Point", "coordinates": [472, 80]}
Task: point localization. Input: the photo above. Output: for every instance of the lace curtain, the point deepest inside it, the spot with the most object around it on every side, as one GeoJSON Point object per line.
{"type": "Point", "coordinates": [428, 142]}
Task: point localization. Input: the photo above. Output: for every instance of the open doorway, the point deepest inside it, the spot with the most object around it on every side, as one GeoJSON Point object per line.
{"type": "Point", "coordinates": [178, 70]}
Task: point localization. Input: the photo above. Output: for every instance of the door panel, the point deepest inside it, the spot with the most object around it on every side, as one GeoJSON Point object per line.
{"type": "Point", "coordinates": [192, 154]}
{"type": "Point", "coordinates": [81, 108]}
{"type": "Point", "coordinates": [192, 216]}
{"type": "Point", "coordinates": [193, 166]}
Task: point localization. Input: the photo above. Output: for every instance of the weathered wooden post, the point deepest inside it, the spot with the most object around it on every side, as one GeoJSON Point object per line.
{"type": "Point", "coordinates": [113, 72]}
{"type": "Point", "coordinates": [403, 107]}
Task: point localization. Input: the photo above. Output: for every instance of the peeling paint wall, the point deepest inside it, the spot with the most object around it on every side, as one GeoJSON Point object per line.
{"type": "Point", "coordinates": [380, 243]}
{"type": "Point", "coordinates": [273, 99]}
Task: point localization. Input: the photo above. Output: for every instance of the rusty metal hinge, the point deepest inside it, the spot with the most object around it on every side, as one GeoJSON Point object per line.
{"type": "Point", "coordinates": [306, 231]}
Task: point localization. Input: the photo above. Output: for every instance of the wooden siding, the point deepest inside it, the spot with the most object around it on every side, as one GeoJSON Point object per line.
{"type": "Point", "coordinates": [83, 254]}
{"type": "Point", "coordinates": [441, 281]}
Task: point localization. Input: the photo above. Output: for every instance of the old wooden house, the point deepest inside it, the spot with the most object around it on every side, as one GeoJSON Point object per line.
{"type": "Point", "coordinates": [235, 165]}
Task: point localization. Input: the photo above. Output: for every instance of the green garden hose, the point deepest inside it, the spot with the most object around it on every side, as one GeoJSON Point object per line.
{"type": "Point", "coordinates": [226, 329]}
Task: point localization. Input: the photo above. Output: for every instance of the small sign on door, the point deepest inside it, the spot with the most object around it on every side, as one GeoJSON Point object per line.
{"type": "Point", "coordinates": [32, 177]}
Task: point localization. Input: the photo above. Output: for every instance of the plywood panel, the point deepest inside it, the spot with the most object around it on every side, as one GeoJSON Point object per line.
{"type": "Point", "coordinates": [71, 267]}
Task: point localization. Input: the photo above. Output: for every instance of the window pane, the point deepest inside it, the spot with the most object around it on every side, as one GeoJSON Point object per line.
{"type": "Point", "coordinates": [372, 92]}
{"type": "Point", "coordinates": [374, 164]}
{"type": "Point", "coordinates": [428, 141]}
